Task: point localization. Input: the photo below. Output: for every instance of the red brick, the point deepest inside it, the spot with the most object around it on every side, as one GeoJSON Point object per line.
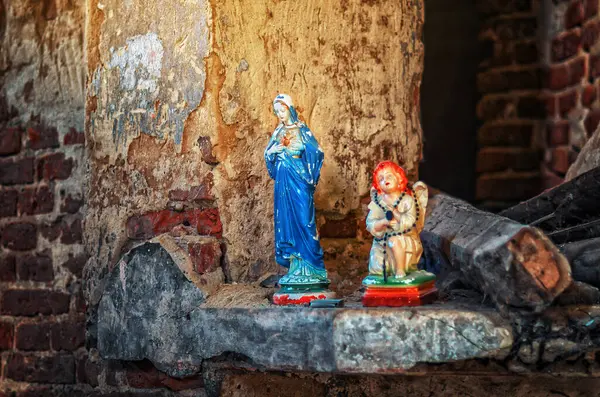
{"type": "Point", "coordinates": [10, 141]}
{"type": "Point", "coordinates": [490, 108]}
{"type": "Point", "coordinates": [591, 9]}
{"type": "Point", "coordinates": [72, 232]}
{"type": "Point", "coordinates": [505, 134]}
{"type": "Point", "coordinates": [516, 28]}
{"type": "Point", "coordinates": [8, 203]}
{"type": "Point", "coordinates": [206, 222]}
{"type": "Point", "coordinates": [532, 107]}
{"type": "Point", "coordinates": [8, 268]}
{"type": "Point", "coordinates": [14, 172]}
{"type": "Point", "coordinates": [88, 372]}
{"type": "Point", "coordinates": [34, 336]}
{"type": "Point", "coordinates": [499, 81]}
{"type": "Point", "coordinates": [196, 194]}
{"type": "Point", "coordinates": [75, 264]}
{"type": "Point", "coordinates": [574, 14]}
{"type": "Point", "coordinates": [567, 102]}
{"type": "Point", "coordinates": [500, 159]}
{"type": "Point", "coordinates": [7, 335]}
{"type": "Point", "coordinates": [589, 34]}
{"type": "Point", "coordinates": [54, 166]}
{"type": "Point", "coordinates": [71, 204]}
{"type": "Point", "coordinates": [594, 65]}
{"type": "Point", "coordinates": [588, 95]}
{"type": "Point", "coordinates": [558, 133]}
{"type": "Point", "coordinates": [559, 160]}
{"type": "Point", "coordinates": [339, 227]}
{"type": "Point", "coordinates": [35, 268]}
{"type": "Point", "coordinates": [526, 53]}
{"type": "Point", "coordinates": [206, 150]}
{"type": "Point", "coordinates": [143, 375]}
{"type": "Point", "coordinates": [592, 120]}
{"type": "Point", "coordinates": [206, 257]}
{"type": "Point", "coordinates": [36, 200]}
{"type": "Point", "coordinates": [550, 179]}
{"type": "Point", "coordinates": [508, 188]}
{"type": "Point", "coordinates": [557, 77]}
{"type": "Point", "coordinates": [578, 70]}
{"type": "Point", "coordinates": [491, 7]}
{"type": "Point", "coordinates": [68, 228]}
{"type": "Point", "coordinates": [566, 45]}
{"type": "Point", "coordinates": [33, 302]}
{"type": "Point", "coordinates": [74, 138]}
{"type": "Point", "coordinates": [42, 137]}
{"type": "Point", "coordinates": [68, 335]}
{"type": "Point", "coordinates": [48, 369]}
{"type": "Point", "coordinates": [19, 236]}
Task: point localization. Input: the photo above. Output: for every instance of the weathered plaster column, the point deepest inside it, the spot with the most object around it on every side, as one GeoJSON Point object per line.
{"type": "Point", "coordinates": [178, 113]}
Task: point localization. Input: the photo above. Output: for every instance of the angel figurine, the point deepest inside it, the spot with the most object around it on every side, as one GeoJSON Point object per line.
{"type": "Point", "coordinates": [396, 217]}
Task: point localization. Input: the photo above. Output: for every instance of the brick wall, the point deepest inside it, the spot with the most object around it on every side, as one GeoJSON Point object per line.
{"type": "Point", "coordinates": [539, 82]}
{"type": "Point", "coordinates": [511, 108]}
{"type": "Point", "coordinates": [571, 85]}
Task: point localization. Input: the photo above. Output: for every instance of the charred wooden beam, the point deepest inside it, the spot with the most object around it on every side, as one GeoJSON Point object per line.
{"type": "Point", "coordinates": [518, 267]}
{"type": "Point", "coordinates": [566, 213]}
{"type": "Point", "coordinates": [584, 257]}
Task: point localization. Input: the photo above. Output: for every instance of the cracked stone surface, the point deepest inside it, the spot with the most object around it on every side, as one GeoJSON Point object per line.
{"type": "Point", "coordinates": [151, 310]}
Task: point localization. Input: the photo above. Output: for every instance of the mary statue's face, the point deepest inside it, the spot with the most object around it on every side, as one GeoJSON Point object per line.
{"type": "Point", "coordinates": [388, 182]}
{"type": "Point", "coordinates": [282, 112]}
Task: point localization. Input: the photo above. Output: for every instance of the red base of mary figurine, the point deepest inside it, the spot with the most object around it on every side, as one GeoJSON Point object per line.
{"type": "Point", "coordinates": [398, 296]}
{"type": "Point", "coordinates": [283, 298]}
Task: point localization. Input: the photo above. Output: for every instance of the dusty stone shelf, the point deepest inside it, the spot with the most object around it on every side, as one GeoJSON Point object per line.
{"type": "Point", "coordinates": [151, 310]}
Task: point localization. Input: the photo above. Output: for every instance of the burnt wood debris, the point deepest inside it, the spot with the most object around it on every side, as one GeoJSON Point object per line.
{"type": "Point", "coordinates": [524, 258]}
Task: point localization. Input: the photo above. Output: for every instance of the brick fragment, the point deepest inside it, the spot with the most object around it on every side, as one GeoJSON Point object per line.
{"type": "Point", "coordinates": [75, 264]}
{"type": "Point", "coordinates": [558, 133]}
{"type": "Point", "coordinates": [591, 9]}
{"type": "Point", "coordinates": [526, 53]}
{"type": "Point", "coordinates": [68, 335]}
{"type": "Point", "coordinates": [10, 141]}
{"type": "Point", "coordinates": [574, 15]}
{"type": "Point", "coordinates": [505, 134]}
{"type": "Point", "coordinates": [42, 137]}
{"type": "Point", "coordinates": [589, 34]}
{"type": "Point", "coordinates": [591, 121]}
{"type": "Point", "coordinates": [205, 256]}
{"type": "Point", "coordinates": [594, 66]}
{"type": "Point", "coordinates": [71, 204]}
{"type": "Point", "coordinates": [7, 335]}
{"type": "Point", "coordinates": [500, 159]}
{"type": "Point", "coordinates": [88, 372]}
{"type": "Point", "coordinates": [557, 77]}
{"type": "Point", "coordinates": [507, 188]}
{"type": "Point", "coordinates": [15, 172]}
{"type": "Point", "coordinates": [33, 302]}
{"type": "Point", "coordinates": [588, 96]}
{"type": "Point", "coordinates": [8, 203]}
{"type": "Point", "coordinates": [566, 45]}
{"type": "Point", "coordinates": [36, 200]}
{"type": "Point", "coordinates": [143, 375]}
{"type": "Point", "coordinates": [8, 268]}
{"type": "Point", "coordinates": [206, 221]}
{"type": "Point", "coordinates": [559, 160]}
{"type": "Point", "coordinates": [35, 267]}
{"type": "Point", "coordinates": [33, 336]}
{"type": "Point", "coordinates": [19, 236]}
{"type": "Point", "coordinates": [58, 368]}
{"type": "Point", "coordinates": [54, 166]}
{"type": "Point", "coordinates": [74, 138]}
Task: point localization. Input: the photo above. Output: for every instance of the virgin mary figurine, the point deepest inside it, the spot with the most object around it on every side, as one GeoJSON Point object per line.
{"type": "Point", "coordinates": [294, 159]}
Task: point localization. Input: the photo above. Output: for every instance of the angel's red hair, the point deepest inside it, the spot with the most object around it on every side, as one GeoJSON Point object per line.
{"type": "Point", "coordinates": [395, 168]}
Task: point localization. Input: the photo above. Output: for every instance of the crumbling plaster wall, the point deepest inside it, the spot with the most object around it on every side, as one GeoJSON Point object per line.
{"type": "Point", "coordinates": [179, 96]}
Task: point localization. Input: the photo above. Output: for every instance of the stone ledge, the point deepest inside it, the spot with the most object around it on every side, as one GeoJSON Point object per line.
{"type": "Point", "coordinates": [151, 310]}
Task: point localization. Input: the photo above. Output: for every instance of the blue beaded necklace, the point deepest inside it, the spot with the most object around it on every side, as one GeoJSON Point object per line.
{"type": "Point", "coordinates": [389, 215]}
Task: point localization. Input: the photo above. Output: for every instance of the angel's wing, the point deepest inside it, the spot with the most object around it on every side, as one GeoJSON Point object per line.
{"type": "Point", "coordinates": [422, 195]}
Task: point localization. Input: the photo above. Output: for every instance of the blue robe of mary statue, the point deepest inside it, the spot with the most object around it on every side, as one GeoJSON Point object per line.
{"type": "Point", "coordinates": [296, 171]}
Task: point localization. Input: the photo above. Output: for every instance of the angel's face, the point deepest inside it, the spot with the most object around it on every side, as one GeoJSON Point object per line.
{"type": "Point", "coordinates": [388, 181]}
